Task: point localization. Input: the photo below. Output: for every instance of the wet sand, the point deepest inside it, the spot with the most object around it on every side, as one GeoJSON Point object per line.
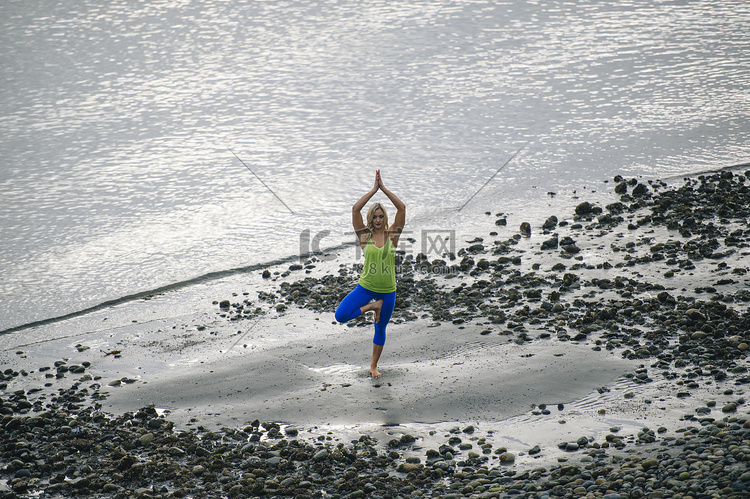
{"type": "Point", "coordinates": [432, 375]}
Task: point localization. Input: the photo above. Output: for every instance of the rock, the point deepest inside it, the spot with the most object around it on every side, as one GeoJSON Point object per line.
{"type": "Point", "coordinates": [406, 439]}
{"type": "Point", "coordinates": [730, 407]}
{"type": "Point", "coordinates": [586, 208]}
{"type": "Point", "coordinates": [408, 467]}
{"type": "Point", "coordinates": [640, 190]}
{"type": "Point", "coordinates": [567, 241]}
{"type": "Point", "coordinates": [146, 439]}
{"type": "Point", "coordinates": [665, 297]}
{"type": "Point", "coordinates": [22, 473]}
{"type": "Point", "coordinates": [550, 244]}
{"type": "Point", "coordinates": [615, 208]}
{"type": "Point", "coordinates": [571, 248]}
{"type": "Point", "coordinates": [649, 464]}
{"type": "Point", "coordinates": [695, 314]}
{"type": "Point", "coordinates": [550, 223]}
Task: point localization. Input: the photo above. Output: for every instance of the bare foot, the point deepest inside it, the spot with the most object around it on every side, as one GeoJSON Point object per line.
{"type": "Point", "coordinates": [376, 351]}
{"type": "Point", "coordinates": [377, 308]}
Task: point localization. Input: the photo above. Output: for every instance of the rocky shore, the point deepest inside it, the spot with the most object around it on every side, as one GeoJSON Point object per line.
{"type": "Point", "coordinates": [656, 275]}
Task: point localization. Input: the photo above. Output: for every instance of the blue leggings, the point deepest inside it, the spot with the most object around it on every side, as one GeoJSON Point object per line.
{"type": "Point", "coordinates": [349, 308]}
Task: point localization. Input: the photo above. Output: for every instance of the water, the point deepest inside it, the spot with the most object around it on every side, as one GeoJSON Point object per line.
{"type": "Point", "coordinates": [117, 119]}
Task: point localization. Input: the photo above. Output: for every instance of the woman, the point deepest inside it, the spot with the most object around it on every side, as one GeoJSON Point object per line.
{"type": "Point", "coordinates": [376, 290]}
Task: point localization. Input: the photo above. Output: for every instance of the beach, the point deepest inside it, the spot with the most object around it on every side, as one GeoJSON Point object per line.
{"type": "Point", "coordinates": [601, 353]}
{"type": "Point", "coordinates": [177, 180]}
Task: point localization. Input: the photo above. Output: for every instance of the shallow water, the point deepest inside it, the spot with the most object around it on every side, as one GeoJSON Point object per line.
{"type": "Point", "coordinates": [118, 118]}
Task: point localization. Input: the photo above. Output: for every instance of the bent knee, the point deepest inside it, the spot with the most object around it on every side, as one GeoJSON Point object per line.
{"type": "Point", "coordinates": [339, 316]}
{"type": "Point", "coordinates": [344, 315]}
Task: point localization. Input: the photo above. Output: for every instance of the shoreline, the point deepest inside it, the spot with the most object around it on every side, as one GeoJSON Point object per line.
{"type": "Point", "coordinates": [649, 288]}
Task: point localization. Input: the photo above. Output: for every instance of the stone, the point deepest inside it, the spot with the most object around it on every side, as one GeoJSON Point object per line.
{"type": "Point", "coordinates": [550, 223]}
{"type": "Point", "coordinates": [640, 190]}
{"type": "Point", "coordinates": [550, 244]}
{"type": "Point", "coordinates": [649, 464]}
{"type": "Point", "coordinates": [730, 407]}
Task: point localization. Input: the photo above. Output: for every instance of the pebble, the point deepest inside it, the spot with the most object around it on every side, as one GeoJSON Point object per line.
{"type": "Point", "coordinates": [112, 459]}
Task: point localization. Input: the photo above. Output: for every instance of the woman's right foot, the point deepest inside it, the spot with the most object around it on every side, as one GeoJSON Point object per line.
{"type": "Point", "coordinates": [378, 307]}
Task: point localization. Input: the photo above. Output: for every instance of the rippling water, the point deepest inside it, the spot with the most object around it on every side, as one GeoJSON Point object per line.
{"type": "Point", "coordinates": [117, 120]}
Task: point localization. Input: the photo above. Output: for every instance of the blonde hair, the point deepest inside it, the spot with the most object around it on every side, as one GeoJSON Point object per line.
{"type": "Point", "coordinates": [371, 214]}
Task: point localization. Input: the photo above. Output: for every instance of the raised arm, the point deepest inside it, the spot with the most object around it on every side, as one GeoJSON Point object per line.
{"type": "Point", "coordinates": [400, 219]}
{"type": "Point", "coordinates": [357, 220]}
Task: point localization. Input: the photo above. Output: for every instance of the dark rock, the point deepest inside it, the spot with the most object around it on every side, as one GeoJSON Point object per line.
{"type": "Point", "coordinates": [550, 244]}
{"type": "Point", "coordinates": [587, 208]}
{"type": "Point", "coordinates": [550, 223]}
{"type": "Point", "coordinates": [640, 190]}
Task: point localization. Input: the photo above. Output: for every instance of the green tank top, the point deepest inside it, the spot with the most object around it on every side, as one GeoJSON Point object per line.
{"type": "Point", "coordinates": [379, 272]}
